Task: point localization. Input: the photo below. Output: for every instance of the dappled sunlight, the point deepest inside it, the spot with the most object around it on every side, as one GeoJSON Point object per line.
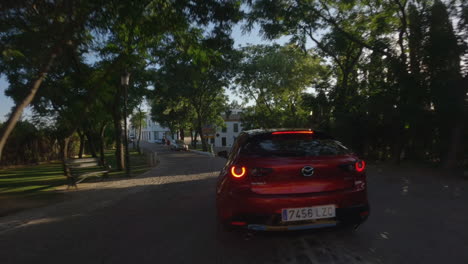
{"type": "Point", "coordinates": [45, 220]}
{"type": "Point", "coordinates": [32, 179]}
{"type": "Point", "coordinates": [149, 181]}
{"type": "Point", "coordinates": [11, 225]}
{"type": "Point", "coordinates": [385, 235]}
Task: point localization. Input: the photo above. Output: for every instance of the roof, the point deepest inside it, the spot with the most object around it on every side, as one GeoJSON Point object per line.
{"type": "Point", "coordinates": [235, 117]}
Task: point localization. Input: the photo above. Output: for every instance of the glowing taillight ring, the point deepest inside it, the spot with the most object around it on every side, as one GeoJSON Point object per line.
{"type": "Point", "coordinates": [360, 166]}
{"type": "Point", "coordinates": [238, 175]}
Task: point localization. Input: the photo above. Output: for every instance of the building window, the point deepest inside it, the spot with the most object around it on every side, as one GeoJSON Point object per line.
{"type": "Point", "coordinates": [223, 141]}
{"type": "Point", "coordinates": [212, 140]}
{"type": "Point", "coordinates": [236, 127]}
{"type": "Point", "coordinates": [224, 129]}
{"type": "Point", "coordinates": [155, 134]}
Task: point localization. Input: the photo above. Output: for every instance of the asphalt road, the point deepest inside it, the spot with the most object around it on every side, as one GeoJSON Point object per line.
{"type": "Point", "coordinates": [168, 216]}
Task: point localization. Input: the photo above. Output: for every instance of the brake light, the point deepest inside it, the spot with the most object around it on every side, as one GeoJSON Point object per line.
{"type": "Point", "coordinates": [293, 132]}
{"type": "Point", "coordinates": [360, 165]}
{"type": "Point", "coordinates": [238, 172]}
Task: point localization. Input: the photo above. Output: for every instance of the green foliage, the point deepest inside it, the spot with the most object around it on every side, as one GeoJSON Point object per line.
{"type": "Point", "coordinates": [29, 144]}
{"type": "Point", "coordinates": [276, 78]}
{"type": "Point", "coordinates": [189, 84]}
{"type": "Point", "coordinates": [383, 72]}
{"type": "Point", "coordinates": [138, 118]}
{"type": "Point", "coordinates": [53, 38]}
{"type": "Point", "coordinates": [395, 69]}
{"type": "Point", "coordinates": [31, 31]}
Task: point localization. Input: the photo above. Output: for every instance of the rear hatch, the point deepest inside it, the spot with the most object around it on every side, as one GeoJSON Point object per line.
{"type": "Point", "coordinates": [296, 163]}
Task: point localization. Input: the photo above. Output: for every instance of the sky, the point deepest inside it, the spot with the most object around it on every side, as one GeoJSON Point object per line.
{"type": "Point", "coordinates": [240, 40]}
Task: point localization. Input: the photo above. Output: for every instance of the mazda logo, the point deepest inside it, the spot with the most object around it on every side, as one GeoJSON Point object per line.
{"type": "Point", "coordinates": [307, 171]}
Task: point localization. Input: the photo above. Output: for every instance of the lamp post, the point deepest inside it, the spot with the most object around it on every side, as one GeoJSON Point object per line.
{"type": "Point", "coordinates": [124, 80]}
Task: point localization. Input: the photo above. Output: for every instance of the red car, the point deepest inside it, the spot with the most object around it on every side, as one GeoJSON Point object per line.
{"type": "Point", "coordinates": [291, 179]}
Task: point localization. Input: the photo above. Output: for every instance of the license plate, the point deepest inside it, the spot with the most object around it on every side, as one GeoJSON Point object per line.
{"type": "Point", "coordinates": [308, 213]}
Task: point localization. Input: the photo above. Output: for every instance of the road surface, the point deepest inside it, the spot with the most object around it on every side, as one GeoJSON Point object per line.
{"type": "Point", "coordinates": [168, 216]}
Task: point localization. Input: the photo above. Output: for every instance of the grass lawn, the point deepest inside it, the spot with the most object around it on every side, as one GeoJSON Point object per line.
{"type": "Point", "coordinates": [35, 184]}
{"type": "Point", "coordinates": [35, 179]}
{"type": "Point", "coordinates": [198, 147]}
{"type": "Point", "coordinates": [139, 164]}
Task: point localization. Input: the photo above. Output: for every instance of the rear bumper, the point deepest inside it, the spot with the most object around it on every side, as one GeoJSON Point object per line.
{"type": "Point", "coordinates": [263, 212]}
{"type": "Point", "coordinates": [260, 227]}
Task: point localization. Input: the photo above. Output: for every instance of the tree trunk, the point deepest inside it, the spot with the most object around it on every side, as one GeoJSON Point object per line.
{"type": "Point", "coordinates": [181, 134]}
{"type": "Point", "coordinates": [102, 145]}
{"type": "Point", "coordinates": [200, 132]}
{"type": "Point", "coordinates": [195, 139]}
{"type": "Point", "coordinates": [64, 153]}
{"type": "Point", "coordinates": [18, 110]}
{"type": "Point", "coordinates": [119, 154]}
{"type": "Point", "coordinates": [82, 144]}
{"type": "Point", "coordinates": [91, 144]}
{"type": "Point", "coordinates": [139, 131]}
{"type": "Point", "coordinates": [64, 149]}
{"type": "Point", "coordinates": [117, 116]}
{"type": "Point", "coordinates": [191, 136]}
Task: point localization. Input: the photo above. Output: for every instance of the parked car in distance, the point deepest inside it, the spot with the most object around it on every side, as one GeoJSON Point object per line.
{"type": "Point", "coordinates": [179, 145]}
{"type": "Point", "coordinates": [281, 179]}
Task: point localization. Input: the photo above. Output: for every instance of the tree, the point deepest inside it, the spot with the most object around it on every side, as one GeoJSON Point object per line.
{"type": "Point", "coordinates": [275, 78]}
{"type": "Point", "coordinates": [136, 30]}
{"type": "Point", "coordinates": [34, 34]}
{"type": "Point", "coordinates": [192, 78]}
{"type": "Point", "coordinates": [446, 86]}
{"type": "Point", "coordinates": [138, 120]}
{"type": "Point", "coordinates": [378, 51]}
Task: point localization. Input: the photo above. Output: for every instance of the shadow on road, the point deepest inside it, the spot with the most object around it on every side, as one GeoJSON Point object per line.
{"type": "Point", "coordinates": [170, 223]}
{"type": "Point", "coordinates": [168, 216]}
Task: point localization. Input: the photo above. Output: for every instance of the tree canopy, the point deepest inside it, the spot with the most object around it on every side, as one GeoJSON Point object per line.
{"type": "Point", "coordinates": [396, 67]}
{"type": "Point", "coordinates": [389, 78]}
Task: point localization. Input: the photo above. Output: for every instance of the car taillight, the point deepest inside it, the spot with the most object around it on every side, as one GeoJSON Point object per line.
{"type": "Point", "coordinates": [360, 179]}
{"type": "Point", "coordinates": [238, 171]}
{"type": "Point", "coordinates": [360, 166]}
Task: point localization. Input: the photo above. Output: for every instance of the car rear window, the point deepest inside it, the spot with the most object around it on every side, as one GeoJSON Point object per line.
{"type": "Point", "coordinates": [293, 145]}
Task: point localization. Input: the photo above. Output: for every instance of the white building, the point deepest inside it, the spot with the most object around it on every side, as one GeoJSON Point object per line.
{"type": "Point", "coordinates": [225, 137]}
{"type": "Point", "coordinates": [152, 132]}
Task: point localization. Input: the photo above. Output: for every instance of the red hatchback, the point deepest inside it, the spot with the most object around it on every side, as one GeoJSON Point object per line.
{"type": "Point", "coordinates": [291, 179]}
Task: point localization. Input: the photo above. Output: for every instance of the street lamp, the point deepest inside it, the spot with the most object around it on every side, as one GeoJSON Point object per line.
{"type": "Point", "coordinates": [124, 80]}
